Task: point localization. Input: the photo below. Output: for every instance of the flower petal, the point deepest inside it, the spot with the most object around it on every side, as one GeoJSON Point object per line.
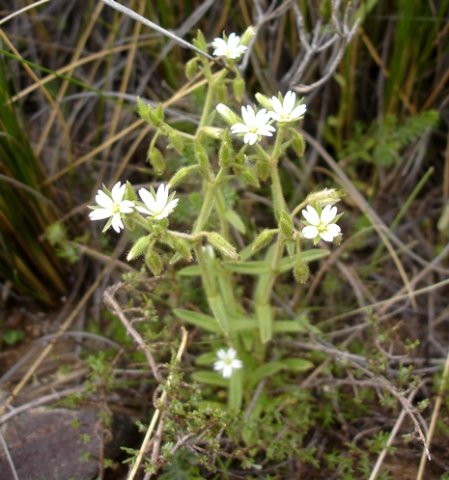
{"type": "Point", "coordinates": [103, 200]}
{"type": "Point", "coordinates": [148, 199]}
{"type": "Point", "coordinates": [328, 214]}
{"type": "Point", "coordinates": [161, 196]}
{"type": "Point", "coordinates": [299, 111]}
{"type": "Point", "coordinates": [227, 371]}
{"type": "Point", "coordinates": [310, 231]}
{"type": "Point", "coordinates": [289, 102]}
{"type": "Point", "coordinates": [277, 106]}
{"type": "Point", "coordinates": [248, 115]}
{"type": "Point", "coordinates": [334, 229]}
{"type": "Point", "coordinates": [231, 353]}
{"type": "Point", "coordinates": [117, 192]}
{"type": "Point", "coordinates": [311, 215]}
{"type": "Point", "coordinates": [126, 206]}
{"type": "Point", "coordinates": [327, 236]}
{"type": "Point", "coordinates": [221, 354]}
{"type": "Point", "coordinates": [250, 138]}
{"type": "Point", "coordinates": [117, 223]}
{"type": "Point", "coordinates": [100, 214]}
{"type": "Point", "coordinates": [239, 128]}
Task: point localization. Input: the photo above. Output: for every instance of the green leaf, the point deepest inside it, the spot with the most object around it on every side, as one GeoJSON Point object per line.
{"type": "Point", "coordinates": [210, 378]}
{"type": "Point", "coordinates": [290, 326]}
{"type": "Point", "coordinates": [235, 390]}
{"type": "Point", "coordinates": [307, 256]}
{"type": "Point", "coordinates": [198, 319]}
{"type": "Point", "coordinates": [297, 364]}
{"type": "Point", "coordinates": [241, 324]}
{"type": "Point", "coordinates": [234, 219]}
{"type": "Point", "coordinates": [190, 271]}
{"type": "Point", "coordinates": [265, 318]}
{"type": "Point", "coordinates": [256, 267]}
{"type": "Point", "coordinates": [206, 358]}
{"type": "Point", "coordinates": [265, 370]}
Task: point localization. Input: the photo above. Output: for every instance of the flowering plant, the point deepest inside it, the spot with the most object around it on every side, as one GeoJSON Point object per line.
{"type": "Point", "coordinates": [239, 329]}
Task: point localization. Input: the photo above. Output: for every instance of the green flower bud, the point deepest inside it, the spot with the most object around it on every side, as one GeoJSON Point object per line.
{"type": "Point", "coordinates": [298, 143]}
{"type": "Point", "coordinates": [154, 262]}
{"type": "Point", "coordinates": [247, 174]}
{"type": "Point", "coordinates": [226, 154]}
{"type": "Point", "coordinates": [139, 248]}
{"type": "Point", "coordinates": [222, 245]}
{"type": "Point", "coordinates": [301, 271]}
{"type": "Point", "coordinates": [327, 196]}
{"type": "Point", "coordinates": [156, 159]}
{"type": "Point", "coordinates": [238, 87]}
{"type": "Point", "coordinates": [200, 41]}
{"type": "Point", "coordinates": [175, 139]}
{"type": "Point", "coordinates": [228, 115]}
{"type": "Point", "coordinates": [191, 68]}
{"type": "Point", "coordinates": [264, 101]}
{"type": "Point", "coordinates": [213, 132]}
{"type": "Point", "coordinates": [286, 225]}
{"type": "Point", "coordinates": [154, 116]}
{"type": "Point", "coordinates": [181, 174]}
{"type": "Point", "coordinates": [247, 36]}
{"type": "Point", "coordinates": [263, 169]}
{"type": "Point", "coordinates": [202, 157]}
{"type": "Point", "coordinates": [263, 239]}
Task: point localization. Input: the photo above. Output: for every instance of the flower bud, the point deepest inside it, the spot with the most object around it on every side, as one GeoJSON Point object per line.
{"type": "Point", "coordinates": [191, 68]}
{"type": "Point", "coordinates": [301, 271]}
{"type": "Point", "coordinates": [181, 174]}
{"type": "Point", "coordinates": [212, 132]}
{"type": "Point", "coordinates": [264, 101]}
{"type": "Point", "coordinates": [328, 196]}
{"type": "Point", "coordinates": [225, 155]}
{"type": "Point", "coordinates": [263, 239]}
{"type": "Point", "coordinates": [298, 143]}
{"type": "Point", "coordinates": [154, 116]}
{"type": "Point", "coordinates": [222, 245]}
{"type": "Point", "coordinates": [228, 115]}
{"type": "Point", "coordinates": [139, 247]}
{"type": "Point", "coordinates": [156, 159]}
{"type": "Point", "coordinates": [238, 87]}
{"type": "Point", "coordinates": [154, 262]}
{"type": "Point", "coordinates": [286, 225]}
{"type": "Point", "coordinates": [247, 36]}
{"type": "Point", "coordinates": [202, 157]}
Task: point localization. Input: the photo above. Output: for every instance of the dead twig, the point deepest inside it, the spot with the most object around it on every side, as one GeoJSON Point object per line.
{"type": "Point", "coordinates": [157, 412]}
{"type": "Point", "coordinates": [110, 301]}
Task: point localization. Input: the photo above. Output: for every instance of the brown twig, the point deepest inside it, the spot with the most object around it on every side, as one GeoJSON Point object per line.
{"type": "Point", "coordinates": [110, 301]}
{"type": "Point", "coordinates": [157, 412]}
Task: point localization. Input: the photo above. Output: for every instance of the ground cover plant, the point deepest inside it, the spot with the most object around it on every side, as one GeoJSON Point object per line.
{"type": "Point", "coordinates": [224, 243]}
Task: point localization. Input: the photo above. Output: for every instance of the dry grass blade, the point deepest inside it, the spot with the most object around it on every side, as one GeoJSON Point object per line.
{"type": "Point", "coordinates": [154, 26]}
{"type": "Point", "coordinates": [21, 11]}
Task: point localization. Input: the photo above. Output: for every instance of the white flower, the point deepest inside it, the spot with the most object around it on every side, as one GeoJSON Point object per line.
{"type": "Point", "coordinates": [227, 362]}
{"type": "Point", "coordinates": [287, 111]}
{"type": "Point", "coordinates": [230, 47]}
{"type": "Point", "coordinates": [112, 206]}
{"type": "Point", "coordinates": [158, 205]}
{"type": "Point", "coordinates": [321, 225]}
{"type": "Point", "coordinates": [255, 125]}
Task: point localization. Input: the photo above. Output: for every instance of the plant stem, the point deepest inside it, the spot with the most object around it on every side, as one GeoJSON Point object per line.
{"type": "Point", "coordinates": [214, 299]}
{"type": "Point", "coordinates": [206, 207]}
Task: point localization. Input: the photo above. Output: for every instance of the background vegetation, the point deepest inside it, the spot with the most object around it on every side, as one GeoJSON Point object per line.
{"type": "Point", "coordinates": [374, 312]}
